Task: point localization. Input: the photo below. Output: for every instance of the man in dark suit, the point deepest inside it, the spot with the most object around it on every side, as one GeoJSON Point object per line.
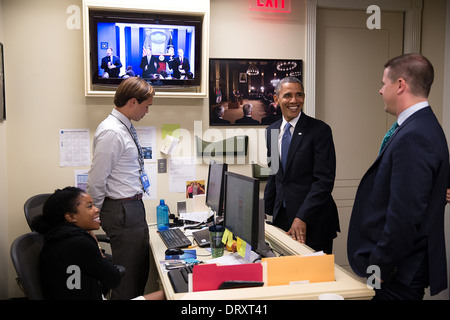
{"type": "Point", "coordinates": [181, 66]}
{"type": "Point", "coordinates": [298, 193]}
{"type": "Point", "coordinates": [397, 224]}
{"type": "Point", "coordinates": [149, 64]}
{"type": "Point", "coordinates": [217, 115]}
{"type": "Point", "coordinates": [111, 65]}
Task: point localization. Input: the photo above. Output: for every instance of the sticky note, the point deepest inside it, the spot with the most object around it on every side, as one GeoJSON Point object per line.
{"type": "Point", "coordinates": [243, 248]}
{"type": "Point", "coordinates": [227, 237]}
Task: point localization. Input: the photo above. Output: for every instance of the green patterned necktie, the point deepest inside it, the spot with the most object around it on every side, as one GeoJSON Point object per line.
{"type": "Point", "coordinates": [388, 135]}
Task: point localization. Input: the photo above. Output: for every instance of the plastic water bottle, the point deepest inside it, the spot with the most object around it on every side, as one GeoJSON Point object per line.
{"type": "Point", "coordinates": [162, 216]}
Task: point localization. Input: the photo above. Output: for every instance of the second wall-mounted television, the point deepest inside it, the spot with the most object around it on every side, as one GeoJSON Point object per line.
{"type": "Point", "coordinates": [241, 90]}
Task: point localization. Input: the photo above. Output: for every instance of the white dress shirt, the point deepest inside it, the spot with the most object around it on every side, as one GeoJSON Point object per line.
{"type": "Point", "coordinates": [115, 166]}
{"type": "Point", "coordinates": [408, 112]}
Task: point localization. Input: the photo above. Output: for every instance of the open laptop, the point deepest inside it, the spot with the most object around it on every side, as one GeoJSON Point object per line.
{"type": "Point", "coordinates": [202, 237]}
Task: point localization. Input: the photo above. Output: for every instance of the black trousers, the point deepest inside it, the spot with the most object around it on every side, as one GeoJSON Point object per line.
{"type": "Point", "coordinates": [125, 224]}
{"type": "Point", "coordinates": [282, 222]}
{"type": "Point", "coordinates": [395, 290]}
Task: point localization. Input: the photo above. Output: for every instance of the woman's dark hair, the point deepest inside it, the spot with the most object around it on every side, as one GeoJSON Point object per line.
{"type": "Point", "coordinates": [60, 202]}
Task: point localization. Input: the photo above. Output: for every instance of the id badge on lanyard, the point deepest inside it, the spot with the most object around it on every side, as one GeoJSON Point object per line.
{"type": "Point", "coordinates": [145, 182]}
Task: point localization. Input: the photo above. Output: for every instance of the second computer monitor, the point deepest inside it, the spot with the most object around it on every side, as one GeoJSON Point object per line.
{"type": "Point", "coordinates": [241, 208]}
{"type": "Point", "coordinates": [215, 186]}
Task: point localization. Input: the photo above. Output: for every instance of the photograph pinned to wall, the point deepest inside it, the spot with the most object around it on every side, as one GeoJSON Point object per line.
{"type": "Point", "coordinates": [241, 90]}
{"type": "Point", "coordinates": [194, 188]}
{"type": "Point", "coordinates": [81, 177]}
{"type": "Point", "coordinates": [2, 86]}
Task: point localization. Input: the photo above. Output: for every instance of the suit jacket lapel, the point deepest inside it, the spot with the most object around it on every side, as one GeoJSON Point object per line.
{"type": "Point", "coordinates": [415, 115]}
{"type": "Point", "coordinates": [390, 140]}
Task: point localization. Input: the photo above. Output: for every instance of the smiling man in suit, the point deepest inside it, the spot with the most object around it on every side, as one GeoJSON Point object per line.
{"type": "Point", "coordinates": [298, 191]}
{"type": "Point", "coordinates": [397, 223]}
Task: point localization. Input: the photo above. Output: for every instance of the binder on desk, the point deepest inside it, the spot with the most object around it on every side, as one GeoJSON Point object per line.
{"type": "Point", "coordinates": [211, 276]}
{"type": "Point", "coordinates": [289, 269]}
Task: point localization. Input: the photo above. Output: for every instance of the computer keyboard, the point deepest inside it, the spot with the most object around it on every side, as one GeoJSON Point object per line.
{"type": "Point", "coordinates": [179, 278]}
{"type": "Point", "coordinates": [174, 238]}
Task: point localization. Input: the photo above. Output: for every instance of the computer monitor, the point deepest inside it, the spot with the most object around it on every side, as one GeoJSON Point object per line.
{"type": "Point", "coordinates": [241, 211]}
{"type": "Point", "coordinates": [215, 187]}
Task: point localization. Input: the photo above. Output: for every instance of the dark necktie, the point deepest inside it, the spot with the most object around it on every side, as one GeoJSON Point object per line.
{"type": "Point", "coordinates": [141, 155]}
{"type": "Point", "coordinates": [388, 135]}
{"type": "Point", "coordinates": [285, 142]}
{"type": "Point", "coordinates": [135, 138]}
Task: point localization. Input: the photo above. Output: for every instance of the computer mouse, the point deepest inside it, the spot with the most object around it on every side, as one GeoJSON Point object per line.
{"type": "Point", "coordinates": [174, 252]}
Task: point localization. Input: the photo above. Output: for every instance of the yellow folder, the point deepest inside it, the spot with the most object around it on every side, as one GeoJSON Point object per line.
{"type": "Point", "coordinates": [288, 269]}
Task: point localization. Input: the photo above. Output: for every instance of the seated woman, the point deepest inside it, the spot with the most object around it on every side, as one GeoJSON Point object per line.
{"type": "Point", "coordinates": [71, 263]}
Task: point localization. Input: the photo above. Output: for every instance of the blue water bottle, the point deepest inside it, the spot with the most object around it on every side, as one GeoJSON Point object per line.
{"type": "Point", "coordinates": [162, 216]}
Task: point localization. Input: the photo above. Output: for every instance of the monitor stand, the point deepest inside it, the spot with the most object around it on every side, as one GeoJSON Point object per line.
{"type": "Point", "coordinates": [219, 220]}
{"type": "Point", "coordinates": [264, 250]}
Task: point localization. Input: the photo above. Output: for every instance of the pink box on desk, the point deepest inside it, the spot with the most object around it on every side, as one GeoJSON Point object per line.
{"type": "Point", "coordinates": [211, 276]}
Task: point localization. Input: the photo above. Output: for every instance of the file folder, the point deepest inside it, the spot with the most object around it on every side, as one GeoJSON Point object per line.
{"type": "Point", "coordinates": [290, 269]}
{"type": "Point", "coordinates": [211, 276]}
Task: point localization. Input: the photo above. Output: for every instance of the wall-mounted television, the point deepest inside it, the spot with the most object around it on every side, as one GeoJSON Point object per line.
{"type": "Point", "coordinates": [241, 90]}
{"type": "Point", "coordinates": [164, 49]}
{"type": "Point", "coordinates": [166, 44]}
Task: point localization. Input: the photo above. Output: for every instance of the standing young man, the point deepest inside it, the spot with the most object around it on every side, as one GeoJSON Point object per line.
{"type": "Point", "coordinates": [116, 182]}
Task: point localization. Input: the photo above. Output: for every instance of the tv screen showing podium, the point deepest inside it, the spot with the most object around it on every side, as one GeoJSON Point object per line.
{"type": "Point", "coordinates": [163, 48]}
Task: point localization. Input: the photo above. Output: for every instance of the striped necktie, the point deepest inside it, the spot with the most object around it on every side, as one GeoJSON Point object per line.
{"type": "Point", "coordinates": [135, 138]}
{"type": "Point", "coordinates": [388, 135]}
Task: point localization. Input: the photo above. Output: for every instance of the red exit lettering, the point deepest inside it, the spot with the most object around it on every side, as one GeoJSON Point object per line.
{"type": "Point", "coordinates": [271, 5]}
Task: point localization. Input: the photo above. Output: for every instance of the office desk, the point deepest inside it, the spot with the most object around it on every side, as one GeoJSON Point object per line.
{"type": "Point", "coordinates": [346, 285]}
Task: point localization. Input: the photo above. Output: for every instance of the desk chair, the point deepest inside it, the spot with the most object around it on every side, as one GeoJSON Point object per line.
{"type": "Point", "coordinates": [33, 208]}
{"type": "Point", "coordinates": [25, 251]}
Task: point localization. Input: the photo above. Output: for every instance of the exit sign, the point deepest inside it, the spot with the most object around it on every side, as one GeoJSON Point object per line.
{"type": "Point", "coordinates": [271, 5]}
